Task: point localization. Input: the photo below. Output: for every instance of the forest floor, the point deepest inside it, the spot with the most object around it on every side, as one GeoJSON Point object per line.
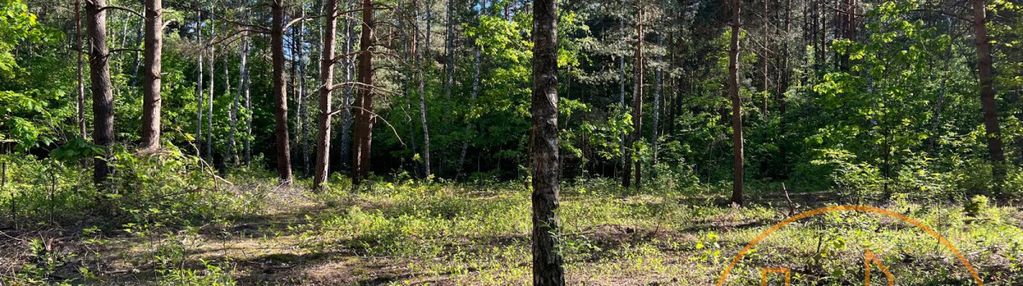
{"type": "Point", "coordinates": [442, 234]}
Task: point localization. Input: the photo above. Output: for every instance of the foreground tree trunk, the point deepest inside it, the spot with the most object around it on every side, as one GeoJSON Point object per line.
{"type": "Point", "coordinates": [326, 82]}
{"type": "Point", "coordinates": [364, 104]}
{"type": "Point", "coordinates": [987, 94]}
{"type": "Point", "coordinates": [547, 259]}
{"type": "Point", "coordinates": [280, 93]}
{"type": "Point", "coordinates": [733, 93]}
{"type": "Point", "coordinates": [151, 100]}
{"type": "Point", "coordinates": [102, 94]}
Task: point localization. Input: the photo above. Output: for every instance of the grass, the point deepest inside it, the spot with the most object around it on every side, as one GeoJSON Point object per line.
{"type": "Point", "coordinates": [447, 234]}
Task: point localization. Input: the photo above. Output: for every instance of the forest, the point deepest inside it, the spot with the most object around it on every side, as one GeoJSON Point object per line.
{"type": "Point", "coordinates": [511, 142]}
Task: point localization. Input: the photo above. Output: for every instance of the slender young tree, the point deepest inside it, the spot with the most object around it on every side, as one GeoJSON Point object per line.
{"type": "Point", "coordinates": [102, 94]}
{"type": "Point", "coordinates": [449, 51]}
{"type": "Point", "coordinates": [733, 94]}
{"type": "Point", "coordinates": [547, 260]}
{"type": "Point", "coordinates": [325, 101]}
{"type": "Point", "coordinates": [239, 95]}
{"type": "Point", "coordinates": [209, 101]}
{"type": "Point", "coordinates": [246, 94]}
{"type": "Point", "coordinates": [199, 95]}
{"type": "Point", "coordinates": [280, 94]}
{"type": "Point", "coordinates": [621, 102]}
{"type": "Point", "coordinates": [80, 103]}
{"type": "Point", "coordinates": [637, 107]}
{"type": "Point", "coordinates": [637, 98]}
{"type": "Point", "coordinates": [151, 101]}
{"type": "Point", "coordinates": [987, 93]}
{"type": "Point", "coordinates": [422, 98]}
{"type": "Point", "coordinates": [658, 93]}
{"type": "Point", "coordinates": [364, 103]}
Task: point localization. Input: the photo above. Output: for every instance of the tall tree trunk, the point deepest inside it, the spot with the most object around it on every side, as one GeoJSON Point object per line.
{"type": "Point", "coordinates": [449, 52]}
{"type": "Point", "coordinates": [626, 179]}
{"type": "Point", "coordinates": [637, 98]}
{"type": "Point", "coordinates": [303, 108]}
{"type": "Point", "coordinates": [987, 94]}
{"type": "Point", "coordinates": [547, 260]}
{"type": "Point", "coordinates": [326, 81]}
{"type": "Point", "coordinates": [151, 100]}
{"type": "Point", "coordinates": [421, 88]}
{"type": "Point", "coordinates": [248, 99]}
{"type": "Point", "coordinates": [348, 96]}
{"type": "Point", "coordinates": [209, 106]}
{"type": "Point", "coordinates": [102, 94]}
{"type": "Point", "coordinates": [364, 104]}
{"type": "Point", "coordinates": [81, 82]}
{"type": "Point", "coordinates": [235, 105]}
{"type": "Point", "coordinates": [658, 89]}
{"type": "Point", "coordinates": [478, 58]}
{"type": "Point", "coordinates": [228, 152]}
{"type": "Point", "coordinates": [637, 108]}
{"type": "Point", "coordinates": [733, 93]}
{"type": "Point", "coordinates": [200, 95]}
{"type": "Point", "coordinates": [280, 94]}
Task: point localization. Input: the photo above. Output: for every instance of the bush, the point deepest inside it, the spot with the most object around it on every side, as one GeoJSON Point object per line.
{"type": "Point", "coordinates": [838, 169]}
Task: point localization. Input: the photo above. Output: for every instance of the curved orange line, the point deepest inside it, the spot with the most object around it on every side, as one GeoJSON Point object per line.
{"type": "Point", "coordinates": [867, 209]}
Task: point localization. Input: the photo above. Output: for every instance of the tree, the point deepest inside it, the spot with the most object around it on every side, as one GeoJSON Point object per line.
{"type": "Point", "coordinates": [364, 115]}
{"type": "Point", "coordinates": [422, 96]}
{"type": "Point", "coordinates": [547, 259]}
{"type": "Point", "coordinates": [102, 94]}
{"type": "Point", "coordinates": [637, 107]}
{"type": "Point", "coordinates": [280, 92]}
{"type": "Point", "coordinates": [199, 95]}
{"type": "Point", "coordinates": [325, 101]}
{"type": "Point", "coordinates": [152, 101]}
{"type": "Point", "coordinates": [733, 94]}
{"type": "Point", "coordinates": [987, 93]}
{"type": "Point", "coordinates": [80, 103]}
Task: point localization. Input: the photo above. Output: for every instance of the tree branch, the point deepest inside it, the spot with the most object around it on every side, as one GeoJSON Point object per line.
{"type": "Point", "coordinates": [122, 9]}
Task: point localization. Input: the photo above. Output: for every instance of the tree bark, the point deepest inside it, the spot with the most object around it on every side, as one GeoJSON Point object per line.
{"type": "Point", "coordinates": [151, 100]}
{"type": "Point", "coordinates": [658, 89]}
{"type": "Point", "coordinates": [547, 260]}
{"type": "Point", "coordinates": [209, 105]}
{"type": "Point", "coordinates": [987, 94]}
{"type": "Point", "coordinates": [637, 108]}
{"type": "Point", "coordinates": [326, 81]}
{"type": "Point", "coordinates": [200, 95]}
{"type": "Point", "coordinates": [81, 82]}
{"type": "Point", "coordinates": [348, 96]}
{"type": "Point", "coordinates": [102, 94]}
{"type": "Point", "coordinates": [626, 179]}
{"type": "Point", "coordinates": [733, 93]}
{"type": "Point", "coordinates": [422, 102]}
{"type": "Point", "coordinates": [449, 53]}
{"type": "Point", "coordinates": [247, 95]}
{"type": "Point", "coordinates": [475, 93]}
{"type": "Point", "coordinates": [280, 88]}
{"type": "Point", "coordinates": [241, 94]}
{"type": "Point", "coordinates": [303, 108]}
{"type": "Point", "coordinates": [364, 104]}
